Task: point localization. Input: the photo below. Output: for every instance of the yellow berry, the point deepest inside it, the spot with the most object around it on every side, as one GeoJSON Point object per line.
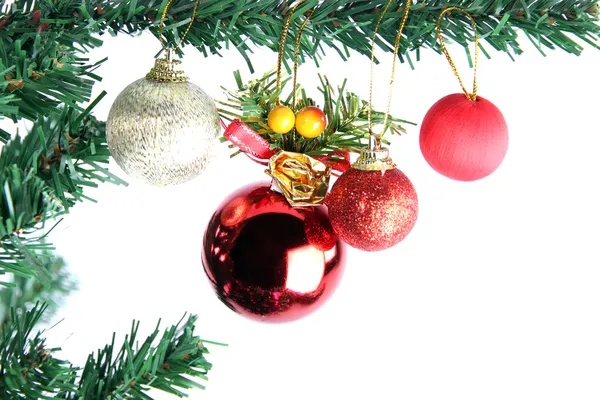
{"type": "Point", "coordinates": [310, 122]}
{"type": "Point", "coordinates": [281, 119]}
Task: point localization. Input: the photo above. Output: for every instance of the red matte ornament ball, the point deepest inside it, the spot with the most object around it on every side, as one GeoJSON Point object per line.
{"type": "Point", "coordinates": [373, 210]}
{"type": "Point", "coordinates": [462, 139]}
{"type": "Point", "coordinates": [269, 261]}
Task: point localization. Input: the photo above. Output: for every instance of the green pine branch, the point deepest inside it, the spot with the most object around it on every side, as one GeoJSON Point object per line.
{"type": "Point", "coordinates": [347, 115]}
{"type": "Point", "coordinates": [42, 69]}
{"type": "Point", "coordinates": [172, 362]}
{"type": "Point", "coordinates": [25, 291]}
{"type": "Point", "coordinates": [28, 368]}
{"type": "Point", "coordinates": [42, 176]}
{"type": "Point", "coordinates": [42, 41]}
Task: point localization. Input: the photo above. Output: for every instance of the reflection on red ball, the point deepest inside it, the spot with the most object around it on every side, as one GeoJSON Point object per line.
{"type": "Point", "coordinates": [462, 139]}
{"type": "Point", "coordinates": [270, 261]}
{"type": "Point", "coordinates": [371, 210]}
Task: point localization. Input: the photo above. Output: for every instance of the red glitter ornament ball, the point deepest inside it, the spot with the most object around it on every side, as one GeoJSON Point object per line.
{"type": "Point", "coordinates": [270, 261]}
{"type": "Point", "coordinates": [373, 210]}
{"type": "Point", "coordinates": [462, 139]}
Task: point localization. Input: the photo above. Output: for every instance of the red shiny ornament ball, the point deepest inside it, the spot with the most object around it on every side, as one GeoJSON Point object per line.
{"type": "Point", "coordinates": [270, 261]}
{"type": "Point", "coordinates": [462, 139]}
{"type": "Point", "coordinates": [371, 210]}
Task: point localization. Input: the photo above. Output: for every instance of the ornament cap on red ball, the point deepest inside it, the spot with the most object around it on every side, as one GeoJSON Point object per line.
{"type": "Point", "coordinates": [373, 205]}
{"type": "Point", "coordinates": [462, 139]}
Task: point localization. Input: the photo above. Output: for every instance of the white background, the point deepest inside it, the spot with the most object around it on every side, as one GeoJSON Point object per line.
{"type": "Point", "coordinates": [493, 295]}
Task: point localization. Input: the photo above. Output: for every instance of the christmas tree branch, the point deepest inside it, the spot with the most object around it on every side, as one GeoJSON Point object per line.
{"type": "Point", "coordinates": [136, 368]}
{"type": "Point", "coordinates": [24, 291]}
{"type": "Point", "coordinates": [42, 176]}
{"type": "Point", "coordinates": [30, 370]}
{"type": "Point", "coordinates": [41, 67]}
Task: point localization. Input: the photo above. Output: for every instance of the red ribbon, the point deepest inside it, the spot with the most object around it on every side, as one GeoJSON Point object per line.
{"type": "Point", "coordinates": [259, 149]}
{"type": "Point", "coordinates": [338, 165]}
{"type": "Point", "coordinates": [248, 140]}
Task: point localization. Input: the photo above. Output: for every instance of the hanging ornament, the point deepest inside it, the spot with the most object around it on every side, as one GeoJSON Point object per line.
{"type": "Point", "coordinates": [163, 129]}
{"type": "Point", "coordinates": [268, 260]}
{"type": "Point", "coordinates": [463, 137]}
{"type": "Point", "coordinates": [373, 205]}
{"type": "Point", "coordinates": [270, 251]}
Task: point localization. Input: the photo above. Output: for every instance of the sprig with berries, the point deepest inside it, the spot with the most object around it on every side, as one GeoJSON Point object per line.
{"type": "Point", "coordinates": [338, 124]}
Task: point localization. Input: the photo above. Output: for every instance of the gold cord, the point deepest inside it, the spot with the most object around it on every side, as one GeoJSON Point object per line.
{"type": "Point", "coordinates": [296, 52]}
{"type": "Point", "coordinates": [284, 33]}
{"type": "Point", "coordinates": [161, 25]}
{"type": "Point", "coordinates": [376, 143]}
{"type": "Point", "coordinates": [470, 96]}
{"type": "Point", "coordinates": [286, 27]}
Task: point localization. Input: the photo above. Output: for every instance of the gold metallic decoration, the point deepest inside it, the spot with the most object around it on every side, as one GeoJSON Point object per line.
{"type": "Point", "coordinates": [470, 96]}
{"type": "Point", "coordinates": [167, 69]}
{"type": "Point", "coordinates": [163, 129]}
{"type": "Point", "coordinates": [302, 179]}
{"type": "Point", "coordinates": [374, 160]}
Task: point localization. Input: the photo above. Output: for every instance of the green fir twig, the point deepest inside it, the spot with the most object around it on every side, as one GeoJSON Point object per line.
{"type": "Point", "coordinates": [24, 292]}
{"type": "Point", "coordinates": [347, 115]}
{"type": "Point", "coordinates": [169, 361]}
{"type": "Point", "coordinates": [42, 176]}
{"type": "Point", "coordinates": [42, 41]}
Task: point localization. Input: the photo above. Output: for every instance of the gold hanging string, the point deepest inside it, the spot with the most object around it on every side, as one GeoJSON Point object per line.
{"type": "Point", "coordinates": [284, 33]}
{"type": "Point", "coordinates": [470, 96]}
{"type": "Point", "coordinates": [375, 140]}
{"type": "Point", "coordinates": [161, 25]}
{"type": "Point", "coordinates": [286, 27]}
{"type": "Point", "coordinates": [292, 136]}
{"type": "Point", "coordinates": [296, 52]}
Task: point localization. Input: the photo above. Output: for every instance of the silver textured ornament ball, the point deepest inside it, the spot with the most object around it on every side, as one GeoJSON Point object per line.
{"type": "Point", "coordinates": [163, 129]}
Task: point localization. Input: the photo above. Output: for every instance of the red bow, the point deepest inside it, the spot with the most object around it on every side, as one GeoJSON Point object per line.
{"type": "Point", "coordinates": [259, 149]}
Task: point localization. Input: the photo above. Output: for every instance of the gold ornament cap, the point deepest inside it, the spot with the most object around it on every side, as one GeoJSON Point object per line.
{"type": "Point", "coordinates": [302, 179]}
{"type": "Point", "coordinates": [374, 160]}
{"type": "Point", "coordinates": [167, 69]}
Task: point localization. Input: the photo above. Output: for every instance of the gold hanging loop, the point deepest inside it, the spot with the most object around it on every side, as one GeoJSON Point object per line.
{"type": "Point", "coordinates": [161, 25]}
{"type": "Point", "coordinates": [375, 139]}
{"type": "Point", "coordinates": [286, 28]}
{"type": "Point", "coordinates": [296, 52]}
{"type": "Point", "coordinates": [470, 96]}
